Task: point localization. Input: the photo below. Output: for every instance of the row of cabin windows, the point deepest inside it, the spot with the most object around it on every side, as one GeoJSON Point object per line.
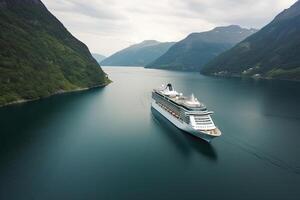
{"type": "Point", "coordinates": [201, 117]}
{"type": "Point", "coordinates": [166, 103]}
{"type": "Point", "coordinates": [169, 111]}
{"type": "Point", "coordinates": [168, 106]}
{"type": "Point", "coordinates": [204, 120]}
{"type": "Point", "coordinates": [203, 123]}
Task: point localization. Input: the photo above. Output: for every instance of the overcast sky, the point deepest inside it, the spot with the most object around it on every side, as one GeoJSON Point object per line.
{"type": "Point", "coordinates": [107, 26]}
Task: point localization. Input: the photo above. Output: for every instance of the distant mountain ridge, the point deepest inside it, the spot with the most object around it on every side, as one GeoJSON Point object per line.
{"type": "Point", "coordinates": [193, 52]}
{"type": "Point", "coordinates": [98, 57]}
{"type": "Point", "coordinates": [272, 52]}
{"type": "Point", "coordinates": [145, 43]}
{"type": "Point", "coordinates": [139, 54]}
{"type": "Point", "coordinates": [38, 56]}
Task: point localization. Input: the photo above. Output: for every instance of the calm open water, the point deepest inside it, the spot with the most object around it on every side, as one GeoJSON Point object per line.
{"type": "Point", "coordinates": [107, 144]}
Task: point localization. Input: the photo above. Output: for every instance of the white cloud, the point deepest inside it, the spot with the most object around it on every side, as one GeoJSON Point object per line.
{"type": "Point", "coordinates": [110, 25]}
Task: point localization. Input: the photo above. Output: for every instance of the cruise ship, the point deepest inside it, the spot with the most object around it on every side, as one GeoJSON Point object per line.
{"type": "Point", "coordinates": [186, 113]}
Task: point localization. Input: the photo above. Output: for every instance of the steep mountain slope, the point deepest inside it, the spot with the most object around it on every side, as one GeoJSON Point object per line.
{"type": "Point", "coordinates": [139, 54]}
{"type": "Point", "coordinates": [273, 52]}
{"type": "Point", "coordinates": [197, 49]}
{"type": "Point", "coordinates": [98, 57]}
{"type": "Point", "coordinates": [38, 56]}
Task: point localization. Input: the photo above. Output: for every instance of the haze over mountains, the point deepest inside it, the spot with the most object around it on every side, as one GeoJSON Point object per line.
{"type": "Point", "coordinates": [273, 52]}
{"type": "Point", "coordinates": [38, 56]}
{"type": "Point", "coordinates": [98, 57]}
{"type": "Point", "coordinates": [193, 52]}
{"type": "Point", "coordinates": [139, 54]}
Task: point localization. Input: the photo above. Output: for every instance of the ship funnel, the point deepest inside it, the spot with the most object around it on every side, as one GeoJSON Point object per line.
{"type": "Point", "coordinates": [169, 86]}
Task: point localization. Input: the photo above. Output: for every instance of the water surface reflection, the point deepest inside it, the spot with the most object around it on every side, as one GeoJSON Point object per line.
{"type": "Point", "coordinates": [184, 142]}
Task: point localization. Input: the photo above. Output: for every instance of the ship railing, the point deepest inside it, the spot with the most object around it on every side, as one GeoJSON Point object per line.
{"type": "Point", "coordinates": [199, 113]}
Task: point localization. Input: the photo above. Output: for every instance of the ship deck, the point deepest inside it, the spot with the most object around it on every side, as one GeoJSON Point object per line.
{"type": "Point", "coordinates": [182, 101]}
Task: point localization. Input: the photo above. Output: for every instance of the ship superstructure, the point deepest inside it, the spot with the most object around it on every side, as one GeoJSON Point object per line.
{"type": "Point", "coordinates": [186, 113]}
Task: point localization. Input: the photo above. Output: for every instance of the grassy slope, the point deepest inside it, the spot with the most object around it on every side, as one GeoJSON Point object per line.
{"type": "Point", "coordinates": [39, 57]}
{"type": "Point", "coordinates": [197, 49]}
{"type": "Point", "coordinates": [273, 52]}
{"type": "Point", "coordinates": [189, 58]}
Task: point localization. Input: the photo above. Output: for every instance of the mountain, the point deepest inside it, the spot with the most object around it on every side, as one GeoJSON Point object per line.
{"type": "Point", "coordinates": [38, 56]}
{"type": "Point", "coordinates": [273, 52]}
{"type": "Point", "coordinates": [193, 52]}
{"type": "Point", "coordinates": [139, 54]}
{"type": "Point", "coordinates": [98, 57]}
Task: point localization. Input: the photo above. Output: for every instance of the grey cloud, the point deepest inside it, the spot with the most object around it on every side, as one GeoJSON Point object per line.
{"type": "Point", "coordinates": [219, 12]}
{"type": "Point", "coordinates": [130, 21]}
{"type": "Point", "coordinates": [242, 12]}
{"type": "Point", "coordinates": [100, 11]}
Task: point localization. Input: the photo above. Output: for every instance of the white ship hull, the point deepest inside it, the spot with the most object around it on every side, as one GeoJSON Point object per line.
{"type": "Point", "coordinates": [182, 125]}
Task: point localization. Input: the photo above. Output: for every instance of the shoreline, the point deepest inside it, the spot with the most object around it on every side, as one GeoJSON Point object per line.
{"type": "Point", "coordinates": [251, 77]}
{"type": "Point", "coordinates": [21, 101]}
{"type": "Point", "coordinates": [227, 76]}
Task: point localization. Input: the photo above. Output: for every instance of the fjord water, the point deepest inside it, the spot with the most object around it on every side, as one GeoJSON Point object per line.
{"type": "Point", "coordinates": [106, 143]}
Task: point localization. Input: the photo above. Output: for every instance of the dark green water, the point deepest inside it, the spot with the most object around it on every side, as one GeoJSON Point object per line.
{"type": "Point", "coordinates": [107, 144]}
